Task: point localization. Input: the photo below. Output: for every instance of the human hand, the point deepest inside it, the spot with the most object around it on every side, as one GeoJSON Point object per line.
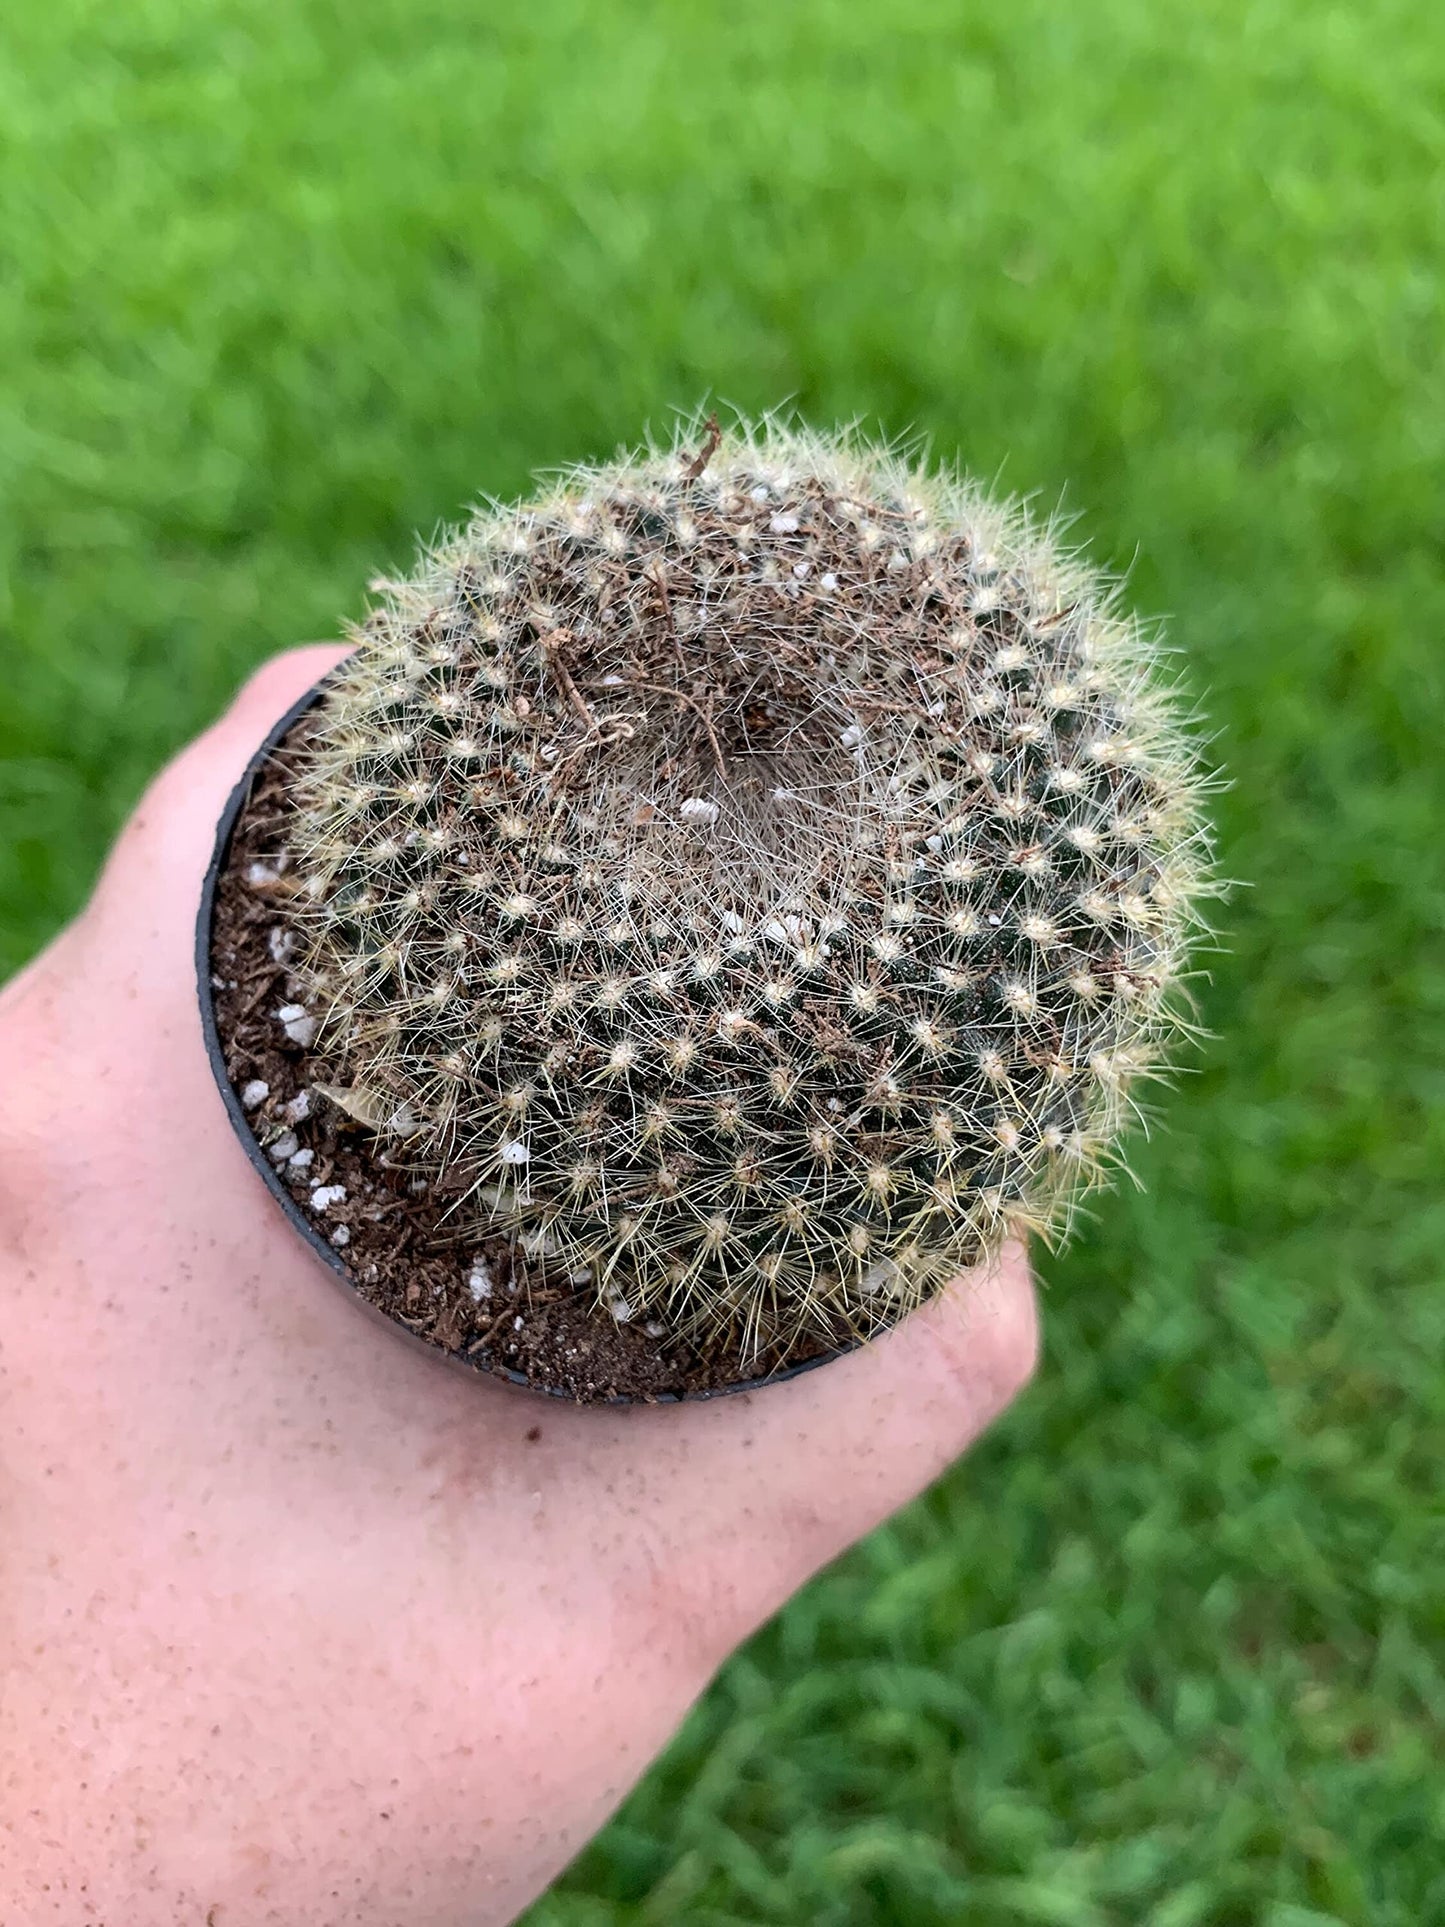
{"type": "Point", "coordinates": [297, 1626]}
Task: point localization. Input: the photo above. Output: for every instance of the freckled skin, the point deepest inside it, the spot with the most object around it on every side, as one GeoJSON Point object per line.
{"type": "Point", "coordinates": [294, 1626]}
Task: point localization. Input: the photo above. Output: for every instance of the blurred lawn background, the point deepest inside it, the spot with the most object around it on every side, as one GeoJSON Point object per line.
{"type": "Point", "coordinates": [280, 285]}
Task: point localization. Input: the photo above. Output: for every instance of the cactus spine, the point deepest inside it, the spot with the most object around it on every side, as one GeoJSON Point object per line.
{"type": "Point", "coordinates": [752, 877]}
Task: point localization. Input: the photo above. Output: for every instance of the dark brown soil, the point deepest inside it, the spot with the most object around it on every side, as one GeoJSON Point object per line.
{"type": "Point", "coordinates": [390, 1233]}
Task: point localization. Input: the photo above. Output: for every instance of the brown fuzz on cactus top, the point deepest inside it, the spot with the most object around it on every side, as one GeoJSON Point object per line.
{"type": "Point", "coordinates": [753, 875]}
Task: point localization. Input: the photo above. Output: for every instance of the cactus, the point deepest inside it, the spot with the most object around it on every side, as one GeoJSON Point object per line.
{"type": "Point", "coordinates": [752, 877]}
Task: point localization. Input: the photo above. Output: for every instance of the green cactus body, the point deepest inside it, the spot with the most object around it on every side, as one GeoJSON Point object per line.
{"type": "Point", "coordinates": [751, 884]}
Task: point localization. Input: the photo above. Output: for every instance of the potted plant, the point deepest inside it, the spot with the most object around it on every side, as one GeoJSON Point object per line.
{"type": "Point", "coordinates": [716, 900]}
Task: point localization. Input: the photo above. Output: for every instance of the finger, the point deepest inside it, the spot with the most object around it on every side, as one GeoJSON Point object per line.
{"type": "Point", "coordinates": [169, 838]}
{"type": "Point", "coordinates": [151, 879]}
{"type": "Point", "coordinates": [743, 1499]}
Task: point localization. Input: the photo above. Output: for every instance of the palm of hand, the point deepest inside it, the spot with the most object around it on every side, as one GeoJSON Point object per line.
{"type": "Point", "coordinates": [300, 1627]}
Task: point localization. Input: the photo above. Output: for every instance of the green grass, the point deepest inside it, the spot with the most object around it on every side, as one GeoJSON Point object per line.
{"type": "Point", "coordinates": [278, 285]}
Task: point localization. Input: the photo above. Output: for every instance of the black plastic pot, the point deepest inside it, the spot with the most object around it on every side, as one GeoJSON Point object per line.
{"type": "Point", "coordinates": [300, 1223]}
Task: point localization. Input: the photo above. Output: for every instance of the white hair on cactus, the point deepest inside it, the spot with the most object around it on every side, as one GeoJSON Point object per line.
{"type": "Point", "coordinates": [758, 875]}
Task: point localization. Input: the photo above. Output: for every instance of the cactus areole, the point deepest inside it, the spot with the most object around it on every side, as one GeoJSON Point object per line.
{"type": "Point", "coordinates": [721, 897]}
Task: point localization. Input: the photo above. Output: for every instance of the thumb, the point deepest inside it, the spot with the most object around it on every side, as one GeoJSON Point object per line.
{"type": "Point", "coordinates": [747, 1497]}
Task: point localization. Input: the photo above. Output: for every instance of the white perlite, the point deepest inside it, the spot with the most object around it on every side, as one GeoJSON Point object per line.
{"type": "Point", "coordinates": [254, 1093]}
{"type": "Point", "coordinates": [286, 1146]}
{"type": "Point", "coordinates": [323, 1196]}
{"type": "Point", "coordinates": [298, 1108]}
{"type": "Point", "coordinates": [480, 1282]}
{"type": "Point", "coordinates": [298, 1024]}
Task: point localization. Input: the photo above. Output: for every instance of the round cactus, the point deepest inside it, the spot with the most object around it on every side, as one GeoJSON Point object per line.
{"type": "Point", "coordinates": [752, 875]}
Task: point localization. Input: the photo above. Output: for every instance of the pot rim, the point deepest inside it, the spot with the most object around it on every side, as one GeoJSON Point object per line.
{"type": "Point", "coordinates": [328, 1254]}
